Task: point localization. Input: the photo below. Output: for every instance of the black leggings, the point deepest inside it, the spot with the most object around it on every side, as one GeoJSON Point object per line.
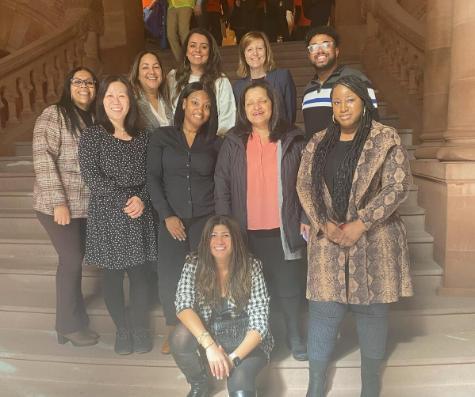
{"type": "Point", "coordinates": [243, 377]}
{"type": "Point", "coordinates": [69, 242]}
{"type": "Point", "coordinates": [113, 289]}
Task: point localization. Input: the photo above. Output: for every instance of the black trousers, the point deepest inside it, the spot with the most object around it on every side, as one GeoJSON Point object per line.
{"type": "Point", "coordinates": [184, 347]}
{"type": "Point", "coordinates": [69, 241]}
{"type": "Point", "coordinates": [113, 290]}
{"type": "Point", "coordinates": [172, 254]}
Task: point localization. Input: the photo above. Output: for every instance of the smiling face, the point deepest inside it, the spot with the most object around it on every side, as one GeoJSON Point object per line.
{"type": "Point", "coordinates": [258, 107]}
{"type": "Point", "coordinates": [221, 244]}
{"type": "Point", "coordinates": [197, 109]}
{"type": "Point", "coordinates": [116, 102]}
{"type": "Point", "coordinates": [347, 108]}
{"type": "Point", "coordinates": [83, 94]}
{"type": "Point", "coordinates": [255, 54]}
{"type": "Point", "coordinates": [325, 56]}
{"type": "Point", "coordinates": [197, 50]}
{"type": "Point", "coordinates": [150, 74]}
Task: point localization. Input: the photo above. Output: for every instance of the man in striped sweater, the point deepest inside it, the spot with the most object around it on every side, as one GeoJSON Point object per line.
{"type": "Point", "coordinates": [323, 49]}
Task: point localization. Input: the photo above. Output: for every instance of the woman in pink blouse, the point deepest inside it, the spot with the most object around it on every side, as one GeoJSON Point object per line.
{"type": "Point", "coordinates": [255, 180]}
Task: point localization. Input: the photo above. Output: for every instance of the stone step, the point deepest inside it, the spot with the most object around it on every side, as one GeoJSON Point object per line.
{"type": "Point", "coordinates": [16, 164]}
{"type": "Point", "coordinates": [16, 200]}
{"type": "Point", "coordinates": [23, 148]}
{"type": "Point", "coordinates": [16, 181]}
{"type": "Point", "coordinates": [413, 217]}
{"type": "Point", "coordinates": [419, 360]}
{"type": "Point", "coordinates": [21, 223]}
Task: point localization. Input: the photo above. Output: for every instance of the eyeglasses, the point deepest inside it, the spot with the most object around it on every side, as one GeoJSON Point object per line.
{"type": "Point", "coordinates": [326, 45]}
{"type": "Point", "coordinates": [85, 83]}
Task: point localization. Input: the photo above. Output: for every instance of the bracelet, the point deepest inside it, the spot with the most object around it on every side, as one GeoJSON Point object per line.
{"type": "Point", "coordinates": [203, 335]}
{"type": "Point", "coordinates": [211, 344]}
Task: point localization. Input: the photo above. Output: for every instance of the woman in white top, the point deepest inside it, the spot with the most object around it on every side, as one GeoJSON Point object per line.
{"type": "Point", "coordinates": [202, 62]}
{"type": "Point", "coordinates": [147, 77]}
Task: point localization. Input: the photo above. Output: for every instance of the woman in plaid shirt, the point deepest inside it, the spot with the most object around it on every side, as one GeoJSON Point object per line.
{"type": "Point", "coordinates": [222, 280]}
{"type": "Point", "coordinates": [60, 198]}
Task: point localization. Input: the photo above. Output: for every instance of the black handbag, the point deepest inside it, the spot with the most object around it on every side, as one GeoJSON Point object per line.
{"type": "Point", "coordinates": [229, 331]}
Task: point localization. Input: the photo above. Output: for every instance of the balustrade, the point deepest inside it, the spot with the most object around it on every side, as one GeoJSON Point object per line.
{"type": "Point", "coordinates": [33, 77]}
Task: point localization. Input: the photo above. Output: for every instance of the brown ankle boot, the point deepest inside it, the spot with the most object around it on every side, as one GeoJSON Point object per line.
{"type": "Point", "coordinates": [78, 338]}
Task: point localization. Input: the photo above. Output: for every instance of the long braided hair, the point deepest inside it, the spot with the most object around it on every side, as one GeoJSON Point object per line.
{"type": "Point", "coordinates": [346, 169]}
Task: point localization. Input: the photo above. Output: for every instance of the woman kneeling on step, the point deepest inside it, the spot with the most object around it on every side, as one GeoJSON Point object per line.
{"type": "Point", "coordinates": [223, 306]}
{"type": "Point", "coordinates": [353, 177]}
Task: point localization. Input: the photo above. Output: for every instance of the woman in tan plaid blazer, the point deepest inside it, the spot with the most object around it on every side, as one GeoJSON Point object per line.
{"type": "Point", "coordinates": [60, 198]}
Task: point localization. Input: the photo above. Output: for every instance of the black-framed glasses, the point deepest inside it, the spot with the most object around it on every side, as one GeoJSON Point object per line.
{"type": "Point", "coordinates": [326, 45]}
{"type": "Point", "coordinates": [83, 83]}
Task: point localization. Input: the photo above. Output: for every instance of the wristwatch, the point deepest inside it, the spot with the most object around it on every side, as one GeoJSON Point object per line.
{"type": "Point", "coordinates": [235, 359]}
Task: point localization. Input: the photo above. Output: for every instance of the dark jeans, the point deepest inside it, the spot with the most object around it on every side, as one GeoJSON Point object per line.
{"type": "Point", "coordinates": [172, 254]}
{"type": "Point", "coordinates": [183, 344]}
{"type": "Point", "coordinates": [113, 290]}
{"type": "Point", "coordinates": [326, 317]}
{"type": "Point", "coordinates": [69, 242]}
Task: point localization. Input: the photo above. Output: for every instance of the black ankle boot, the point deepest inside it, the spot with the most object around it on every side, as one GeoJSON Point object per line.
{"type": "Point", "coordinates": [317, 374]}
{"type": "Point", "coordinates": [370, 377]}
{"type": "Point", "coordinates": [242, 393]}
{"type": "Point", "coordinates": [123, 341]}
{"type": "Point", "coordinates": [142, 340]}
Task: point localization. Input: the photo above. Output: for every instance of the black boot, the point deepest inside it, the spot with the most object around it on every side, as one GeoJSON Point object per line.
{"type": "Point", "coordinates": [142, 340]}
{"type": "Point", "coordinates": [242, 393]}
{"type": "Point", "coordinates": [370, 377]}
{"type": "Point", "coordinates": [192, 367]}
{"type": "Point", "coordinates": [317, 375]}
{"type": "Point", "coordinates": [291, 310]}
{"type": "Point", "coordinates": [123, 341]}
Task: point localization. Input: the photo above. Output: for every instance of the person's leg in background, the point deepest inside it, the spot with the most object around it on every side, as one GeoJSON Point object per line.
{"type": "Point", "coordinates": [323, 324]}
{"type": "Point", "coordinates": [139, 308]}
{"type": "Point", "coordinates": [113, 291]}
{"type": "Point", "coordinates": [372, 326]}
{"type": "Point", "coordinates": [172, 33]}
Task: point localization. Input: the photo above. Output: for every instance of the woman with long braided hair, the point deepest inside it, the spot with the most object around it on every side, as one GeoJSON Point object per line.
{"type": "Point", "coordinates": [353, 177]}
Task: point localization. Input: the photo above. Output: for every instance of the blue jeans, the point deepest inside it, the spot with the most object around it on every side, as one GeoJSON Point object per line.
{"type": "Point", "coordinates": [325, 319]}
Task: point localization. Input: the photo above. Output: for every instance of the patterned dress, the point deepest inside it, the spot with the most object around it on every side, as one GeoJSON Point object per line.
{"type": "Point", "coordinates": [114, 171]}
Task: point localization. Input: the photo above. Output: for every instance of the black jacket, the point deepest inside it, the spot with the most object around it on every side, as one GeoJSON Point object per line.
{"type": "Point", "coordinates": [231, 182]}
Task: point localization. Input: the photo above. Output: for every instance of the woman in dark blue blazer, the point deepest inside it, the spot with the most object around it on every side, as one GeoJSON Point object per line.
{"type": "Point", "coordinates": [256, 62]}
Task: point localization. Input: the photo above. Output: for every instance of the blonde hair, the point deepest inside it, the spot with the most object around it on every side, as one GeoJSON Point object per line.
{"type": "Point", "coordinates": [243, 68]}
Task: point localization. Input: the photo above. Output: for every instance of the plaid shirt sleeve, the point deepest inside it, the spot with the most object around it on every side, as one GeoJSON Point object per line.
{"type": "Point", "coordinates": [185, 293]}
{"type": "Point", "coordinates": [258, 306]}
{"type": "Point", "coordinates": [46, 149]}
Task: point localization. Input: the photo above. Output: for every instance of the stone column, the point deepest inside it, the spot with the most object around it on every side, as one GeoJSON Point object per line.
{"type": "Point", "coordinates": [460, 135]}
{"type": "Point", "coordinates": [436, 77]}
{"type": "Point", "coordinates": [447, 184]}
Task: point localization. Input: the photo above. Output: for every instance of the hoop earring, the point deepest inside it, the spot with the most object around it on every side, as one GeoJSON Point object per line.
{"type": "Point", "coordinates": [364, 111]}
{"type": "Point", "coordinates": [333, 118]}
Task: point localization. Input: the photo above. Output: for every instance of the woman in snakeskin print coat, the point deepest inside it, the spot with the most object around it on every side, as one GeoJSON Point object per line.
{"type": "Point", "coordinates": [353, 177]}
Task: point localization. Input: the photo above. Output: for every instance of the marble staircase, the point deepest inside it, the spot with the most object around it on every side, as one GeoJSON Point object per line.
{"type": "Point", "coordinates": [431, 350]}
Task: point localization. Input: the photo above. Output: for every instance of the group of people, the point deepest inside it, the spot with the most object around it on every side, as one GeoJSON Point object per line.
{"type": "Point", "coordinates": [280, 20]}
{"type": "Point", "coordinates": [215, 184]}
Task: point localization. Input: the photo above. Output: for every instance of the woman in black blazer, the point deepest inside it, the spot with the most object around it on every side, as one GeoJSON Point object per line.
{"type": "Point", "coordinates": [181, 161]}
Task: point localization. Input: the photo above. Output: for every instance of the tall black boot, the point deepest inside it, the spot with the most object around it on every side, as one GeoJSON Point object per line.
{"type": "Point", "coordinates": [192, 367]}
{"type": "Point", "coordinates": [317, 375]}
{"type": "Point", "coordinates": [370, 377]}
{"type": "Point", "coordinates": [291, 310]}
{"type": "Point", "coordinates": [242, 393]}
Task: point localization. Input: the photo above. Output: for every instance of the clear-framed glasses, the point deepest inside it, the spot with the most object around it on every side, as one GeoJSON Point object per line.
{"type": "Point", "coordinates": [83, 83]}
{"type": "Point", "coordinates": [326, 45]}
